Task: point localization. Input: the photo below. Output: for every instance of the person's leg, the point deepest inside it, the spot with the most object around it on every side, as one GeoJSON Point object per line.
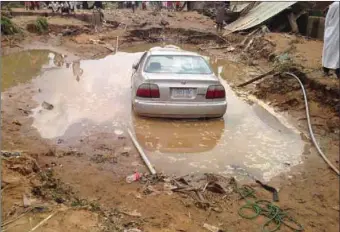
{"type": "Point", "coordinates": [337, 72]}
{"type": "Point", "coordinates": [219, 27]}
{"type": "Point", "coordinates": [325, 71]}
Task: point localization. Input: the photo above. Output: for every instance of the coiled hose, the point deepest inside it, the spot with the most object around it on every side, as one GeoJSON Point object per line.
{"type": "Point", "coordinates": [310, 126]}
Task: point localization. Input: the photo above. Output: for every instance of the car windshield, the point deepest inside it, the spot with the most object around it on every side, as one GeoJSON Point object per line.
{"type": "Point", "coordinates": [179, 64]}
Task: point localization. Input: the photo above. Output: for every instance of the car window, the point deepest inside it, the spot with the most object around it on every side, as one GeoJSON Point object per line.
{"type": "Point", "coordinates": [141, 60]}
{"type": "Point", "coordinates": [179, 64]}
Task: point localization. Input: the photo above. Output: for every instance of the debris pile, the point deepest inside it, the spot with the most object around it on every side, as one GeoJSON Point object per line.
{"type": "Point", "coordinates": [256, 46]}
{"type": "Point", "coordinates": [206, 190]}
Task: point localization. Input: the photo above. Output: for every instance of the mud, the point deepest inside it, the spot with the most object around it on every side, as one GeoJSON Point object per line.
{"type": "Point", "coordinates": [175, 35]}
{"type": "Point", "coordinates": [83, 145]}
{"type": "Point", "coordinates": [89, 106]}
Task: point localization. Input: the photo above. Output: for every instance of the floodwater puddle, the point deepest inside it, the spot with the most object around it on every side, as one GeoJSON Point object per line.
{"type": "Point", "coordinates": [247, 141]}
{"type": "Point", "coordinates": [91, 96]}
{"type": "Point", "coordinates": [20, 67]}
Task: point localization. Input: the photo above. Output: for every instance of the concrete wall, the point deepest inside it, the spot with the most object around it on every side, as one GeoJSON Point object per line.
{"type": "Point", "coordinates": [316, 27]}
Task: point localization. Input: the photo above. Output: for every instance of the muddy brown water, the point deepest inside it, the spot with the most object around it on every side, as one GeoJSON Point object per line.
{"type": "Point", "coordinates": [91, 96]}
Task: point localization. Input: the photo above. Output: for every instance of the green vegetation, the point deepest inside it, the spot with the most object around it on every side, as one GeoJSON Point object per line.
{"type": "Point", "coordinates": [81, 203]}
{"type": "Point", "coordinates": [15, 5]}
{"type": "Point", "coordinates": [285, 63]}
{"type": "Point", "coordinates": [41, 24]}
{"type": "Point", "coordinates": [8, 27]}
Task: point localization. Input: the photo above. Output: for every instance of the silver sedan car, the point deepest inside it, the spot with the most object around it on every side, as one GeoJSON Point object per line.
{"type": "Point", "coordinates": [173, 83]}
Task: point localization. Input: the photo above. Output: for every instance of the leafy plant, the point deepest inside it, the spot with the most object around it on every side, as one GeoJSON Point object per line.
{"type": "Point", "coordinates": [8, 27]}
{"type": "Point", "coordinates": [41, 24]}
{"type": "Point", "coordinates": [15, 5]}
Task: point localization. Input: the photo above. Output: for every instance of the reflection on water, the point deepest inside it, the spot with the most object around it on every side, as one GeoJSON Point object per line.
{"type": "Point", "coordinates": [22, 66]}
{"type": "Point", "coordinates": [95, 95]}
{"type": "Point", "coordinates": [248, 137]}
{"type": "Point", "coordinates": [101, 96]}
{"type": "Point", "coordinates": [178, 136]}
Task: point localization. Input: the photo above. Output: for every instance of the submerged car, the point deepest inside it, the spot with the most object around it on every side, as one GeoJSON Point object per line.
{"type": "Point", "coordinates": [173, 83]}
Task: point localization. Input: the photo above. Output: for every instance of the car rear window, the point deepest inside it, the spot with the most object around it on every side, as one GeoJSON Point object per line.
{"type": "Point", "coordinates": [179, 64]}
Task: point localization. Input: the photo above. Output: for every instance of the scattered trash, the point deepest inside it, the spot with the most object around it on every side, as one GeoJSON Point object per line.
{"type": "Point", "coordinates": [149, 190]}
{"type": "Point", "coordinates": [26, 112]}
{"type": "Point", "coordinates": [136, 163]}
{"type": "Point", "coordinates": [211, 228]}
{"type": "Point", "coordinates": [134, 177]}
{"type": "Point", "coordinates": [101, 158]}
{"type": "Point", "coordinates": [118, 132]}
{"type": "Point", "coordinates": [47, 106]}
{"type": "Point", "coordinates": [287, 163]}
{"type": "Point", "coordinates": [40, 209]}
{"type": "Point", "coordinates": [126, 151]}
{"type": "Point", "coordinates": [204, 189]}
{"type": "Point", "coordinates": [26, 201]}
{"type": "Point", "coordinates": [132, 230]}
{"type": "Point", "coordinates": [265, 29]}
{"type": "Point", "coordinates": [138, 196]}
{"type": "Point", "coordinates": [230, 49]}
{"type": "Point", "coordinates": [68, 32]}
{"type": "Point", "coordinates": [133, 213]}
{"type": "Point", "coordinates": [96, 41]}
{"type": "Point", "coordinates": [168, 186]}
{"type": "Point", "coordinates": [16, 122]}
{"type": "Point", "coordinates": [164, 23]}
{"type": "Point", "coordinates": [9, 154]}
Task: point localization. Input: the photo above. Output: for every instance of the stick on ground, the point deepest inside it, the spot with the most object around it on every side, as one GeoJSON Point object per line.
{"type": "Point", "coordinates": [256, 78]}
{"type": "Point", "coordinates": [43, 221]}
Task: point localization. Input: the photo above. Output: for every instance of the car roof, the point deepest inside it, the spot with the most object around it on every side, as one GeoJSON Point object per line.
{"type": "Point", "coordinates": [171, 50]}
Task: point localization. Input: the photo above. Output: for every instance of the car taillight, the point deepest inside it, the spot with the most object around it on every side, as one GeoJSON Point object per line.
{"type": "Point", "coordinates": [148, 91]}
{"type": "Point", "coordinates": [215, 91]}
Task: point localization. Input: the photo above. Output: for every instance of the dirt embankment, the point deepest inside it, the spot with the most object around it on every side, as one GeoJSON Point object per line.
{"type": "Point", "coordinates": [84, 182]}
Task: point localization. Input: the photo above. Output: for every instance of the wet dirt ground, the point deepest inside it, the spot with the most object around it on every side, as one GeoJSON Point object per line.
{"type": "Point", "coordinates": [83, 140]}
{"type": "Point", "coordinates": [93, 96]}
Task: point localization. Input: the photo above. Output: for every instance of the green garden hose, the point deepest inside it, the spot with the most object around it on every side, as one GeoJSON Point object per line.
{"type": "Point", "coordinates": [265, 208]}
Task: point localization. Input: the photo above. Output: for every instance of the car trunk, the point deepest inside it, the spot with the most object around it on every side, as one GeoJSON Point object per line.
{"type": "Point", "coordinates": [182, 87]}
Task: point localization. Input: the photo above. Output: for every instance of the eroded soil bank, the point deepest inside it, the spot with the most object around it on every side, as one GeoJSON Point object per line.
{"type": "Point", "coordinates": [77, 164]}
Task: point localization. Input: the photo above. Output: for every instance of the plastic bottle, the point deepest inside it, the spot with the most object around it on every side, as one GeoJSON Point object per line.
{"type": "Point", "coordinates": [134, 177]}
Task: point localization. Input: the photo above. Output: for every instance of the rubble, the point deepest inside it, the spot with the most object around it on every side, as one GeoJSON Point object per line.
{"type": "Point", "coordinates": [211, 228]}
{"type": "Point", "coordinates": [195, 186]}
{"type": "Point", "coordinates": [47, 106]}
{"type": "Point", "coordinates": [164, 23]}
{"type": "Point", "coordinates": [133, 213]}
{"type": "Point", "coordinates": [9, 154]}
{"type": "Point", "coordinates": [132, 230]}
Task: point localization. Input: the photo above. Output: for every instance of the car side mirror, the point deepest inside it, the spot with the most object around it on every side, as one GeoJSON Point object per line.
{"type": "Point", "coordinates": [135, 66]}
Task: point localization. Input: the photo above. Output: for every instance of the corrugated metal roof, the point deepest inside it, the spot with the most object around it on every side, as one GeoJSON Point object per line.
{"type": "Point", "coordinates": [238, 7]}
{"type": "Point", "coordinates": [257, 15]}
